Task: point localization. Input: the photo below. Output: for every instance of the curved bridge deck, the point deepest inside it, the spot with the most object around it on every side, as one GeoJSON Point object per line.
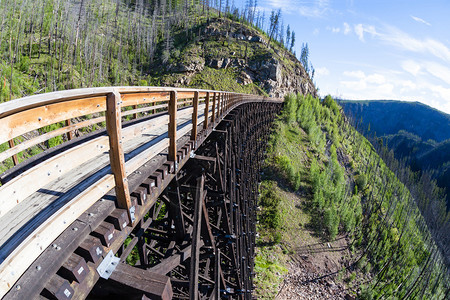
{"type": "Point", "coordinates": [69, 206]}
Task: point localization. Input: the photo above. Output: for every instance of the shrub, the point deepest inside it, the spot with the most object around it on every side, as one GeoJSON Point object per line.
{"type": "Point", "coordinates": [366, 293]}
{"type": "Point", "coordinates": [319, 199]}
{"type": "Point", "coordinates": [24, 64]}
{"type": "Point", "coordinates": [143, 82]}
{"type": "Point", "coordinates": [272, 217]}
{"type": "Point", "coordinates": [348, 220]}
{"type": "Point", "coordinates": [362, 262]}
{"type": "Point", "coordinates": [297, 181]}
{"type": "Point", "coordinates": [361, 181]}
{"type": "Point", "coordinates": [329, 102]}
{"type": "Point", "coordinates": [331, 220]}
{"type": "Point", "coordinates": [351, 278]}
{"type": "Point", "coordinates": [367, 268]}
{"type": "Point", "coordinates": [291, 108]}
{"type": "Point", "coordinates": [277, 237]}
{"type": "Point", "coordinates": [270, 201]}
{"type": "Point", "coordinates": [286, 167]}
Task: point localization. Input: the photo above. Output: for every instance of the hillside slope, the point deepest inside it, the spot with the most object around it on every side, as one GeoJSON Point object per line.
{"type": "Point", "coordinates": [417, 133]}
{"type": "Point", "coordinates": [230, 55]}
{"type": "Point", "coordinates": [335, 221]}
{"type": "Point", "coordinates": [389, 117]}
{"type": "Point", "coordinates": [95, 43]}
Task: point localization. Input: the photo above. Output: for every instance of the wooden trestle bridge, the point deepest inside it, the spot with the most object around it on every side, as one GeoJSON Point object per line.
{"type": "Point", "coordinates": [160, 204]}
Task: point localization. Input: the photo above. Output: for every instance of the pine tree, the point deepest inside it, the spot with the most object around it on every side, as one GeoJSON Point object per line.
{"type": "Point", "coordinates": [288, 36]}
{"type": "Point", "coordinates": [292, 41]}
{"type": "Point", "coordinates": [304, 55]}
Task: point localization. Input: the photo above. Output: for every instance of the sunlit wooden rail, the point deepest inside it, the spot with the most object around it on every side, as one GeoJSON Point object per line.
{"type": "Point", "coordinates": [42, 196]}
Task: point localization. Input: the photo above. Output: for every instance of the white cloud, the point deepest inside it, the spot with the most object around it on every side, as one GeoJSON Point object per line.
{"type": "Point", "coordinates": [376, 79]}
{"type": "Point", "coordinates": [323, 71]}
{"type": "Point", "coordinates": [439, 71]}
{"type": "Point", "coordinates": [435, 69]}
{"type": "Point", "coordinates": [411, 67]}
{"type": "Point", "coordinates": [376, 85]}
{"type": "Point", "coordinates": [388, 84]}
{"type": "Point", "coordinates": [357, 74]}
{"type": "Point", "coordinates": [443, 94]}
{"type": "Point", "coordinates": [316, 31]}
{"type": "Point", "coordinates": [347, 28]}
{"type": "Point", "coordinates": [407, 85]}
{"type": "Point", "coordinates": [360, 29]}
{"type": "Point", "coordinates": [417, 19]}
{"type": "Point", "coordinates": [400, 39]}
{"type": "Point", "coordinates": [314, 8]}
{"type": "Point", "coordinates": [395, 37]}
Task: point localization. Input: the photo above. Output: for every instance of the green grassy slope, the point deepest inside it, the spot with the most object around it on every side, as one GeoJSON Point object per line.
{"type": "Point", "coordinates": [344, 188]}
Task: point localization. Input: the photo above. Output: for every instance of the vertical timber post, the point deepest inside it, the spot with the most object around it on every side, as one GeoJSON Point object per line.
{"type": "Point", "coordinates": [14, 157]}
{"type": "Point", "coordinates": [116, 155]}
{"type": "Point", "coordinates": [70, 133]}
{"type": "Point", "coordinates": [194, 117]}
{"type": "Point", "coordinates": [213, 113]}
{"type": "Point", "coordinates": [135, 115]}
{"type": "Point", "coordinates": [195, 247]}
{"type": "Point", "coordinates": [217, 274]}
{"type": "Point", "coordinates": [205, 123]}
{"type": "Point", "coordinates": [173, 127]}
{"type": "Point", "coordinates": [228, 102]}
{"type": "Point", "coordinates": [219, 105]}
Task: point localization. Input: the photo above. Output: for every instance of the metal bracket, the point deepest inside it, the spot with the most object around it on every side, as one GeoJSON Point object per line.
{"type": "Point", "coordinates": [108, 265]}
{"type": "Point", "coordinates": [132, 211]}
{"type": "Point", "coordinates": [192, 154]}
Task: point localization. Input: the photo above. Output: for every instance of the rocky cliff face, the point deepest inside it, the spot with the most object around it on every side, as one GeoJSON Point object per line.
{"type": "Point", "coordinates": [242, 53]}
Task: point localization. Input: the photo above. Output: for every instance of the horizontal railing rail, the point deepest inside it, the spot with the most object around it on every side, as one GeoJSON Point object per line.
{"type": "Point", "coordinates": [31, 121]}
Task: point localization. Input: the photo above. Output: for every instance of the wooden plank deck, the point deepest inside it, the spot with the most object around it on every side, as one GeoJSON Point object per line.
{"type": "Point", "coordinates": [141, 140]}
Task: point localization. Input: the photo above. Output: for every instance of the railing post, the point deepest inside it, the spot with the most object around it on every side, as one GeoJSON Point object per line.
{"type": "Point", "coordinates": [213, 115]}
{"type": "Point", "coordinates": [135, 115]}
{"type": "Point", "coordinates": [227, 102]}
{"type": "Point", "coordinates": [205, 123]}
{"type": "Point", "coordinates": [224, 102]}
{"type": "Point", "coordinates": [14, 157]}
{"type": "Point", "coordinates": [218, 106]}
{"type": "Point", "coordinates": [116, 155]}
{"type": "Point", "coordinates": [70, 133]}
{"type": "Point", "coordinates": [194, 117]}
{"type": "Point", "coordinates": [173, 127]}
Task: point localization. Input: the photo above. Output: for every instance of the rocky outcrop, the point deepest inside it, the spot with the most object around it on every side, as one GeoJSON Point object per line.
{"type": "Point", "coordinates": [275, 78]}
{"type": "Point", "coordinates": [274, 70]}
{"type": "Point", "coordinates": [193, 65]}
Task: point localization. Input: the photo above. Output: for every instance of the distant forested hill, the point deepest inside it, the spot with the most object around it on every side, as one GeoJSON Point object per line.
{"type": "Point", "coordinates": [415, 132]}
{"type": "Point", "coordinates": [389, 117]}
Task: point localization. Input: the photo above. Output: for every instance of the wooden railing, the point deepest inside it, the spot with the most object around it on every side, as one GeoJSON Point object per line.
{"type": "Point", "coordinates": [73, 111]}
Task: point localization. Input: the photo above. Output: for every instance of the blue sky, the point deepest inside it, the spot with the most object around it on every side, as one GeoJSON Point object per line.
{"type": "Point", "coordinates": [385, 49]}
